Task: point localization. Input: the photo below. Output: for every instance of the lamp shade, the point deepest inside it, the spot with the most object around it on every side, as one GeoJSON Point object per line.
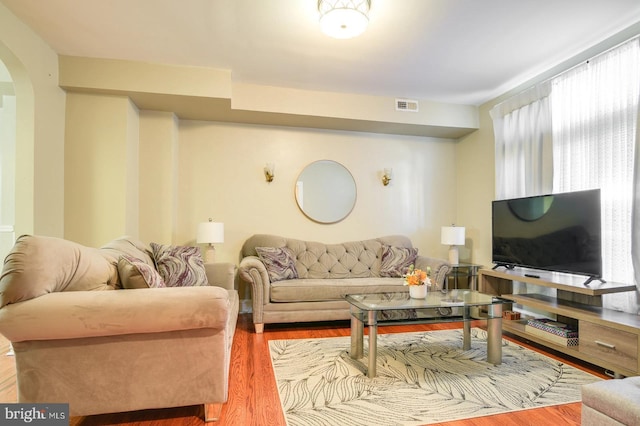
{"type": "Point", "coordinates": [210, 232]}
{"type": "Point", "coordinates": [453, 235]}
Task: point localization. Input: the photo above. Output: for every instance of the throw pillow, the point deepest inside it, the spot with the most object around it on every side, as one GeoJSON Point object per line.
{"type": "Point", "coordinates": [279, 261]}
{"type": "Point", "coordinates": [37, 265]}
{"type": "Point", "coordinates": [395, 261]}
{"type": "Point", "coordinates": [135, 273]}
{"type": "Point", "coordinates": [179, 266]}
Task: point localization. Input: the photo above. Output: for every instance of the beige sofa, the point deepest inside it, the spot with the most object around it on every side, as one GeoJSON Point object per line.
{"type": "Point", "coordinates": [79, 338]}
{"type": "Point", "coordinates": [319, 275]}
{"type": "Point", "coordinates": [611, 402]}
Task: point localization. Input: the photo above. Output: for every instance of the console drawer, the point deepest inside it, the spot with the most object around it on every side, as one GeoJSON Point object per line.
{"type": "Point", "coordinates": [609, 344]}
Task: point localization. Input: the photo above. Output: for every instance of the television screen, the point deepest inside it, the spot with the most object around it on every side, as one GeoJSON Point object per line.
{"type": "Point", "coordinates": [555, 232]}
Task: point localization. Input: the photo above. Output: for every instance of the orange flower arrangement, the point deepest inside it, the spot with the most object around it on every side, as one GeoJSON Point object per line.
{"type": "Point", "coordinates": [417, 276]}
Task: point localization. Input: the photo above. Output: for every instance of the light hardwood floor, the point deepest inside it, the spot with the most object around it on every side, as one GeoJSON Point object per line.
{"type": "Point", "coordinates": [253, 399]}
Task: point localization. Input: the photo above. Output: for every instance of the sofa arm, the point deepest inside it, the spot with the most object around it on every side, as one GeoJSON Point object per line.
{"type": "Point", "coordinates": [78, 314]}
{"type": "Point", "coordinates": [221, 274]}
{"type": "Point", "coordinates": [440, 268]}
{"type": "Point", "coordinates": [253, 271]}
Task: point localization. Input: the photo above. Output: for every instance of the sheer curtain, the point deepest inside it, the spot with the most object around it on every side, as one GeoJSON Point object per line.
{"type": "Point", "coordinates": [594, 112]}
{"type": "Point", "coordinates": [522, 127]}
{"type": "Point", "coordinates": [523, 134]}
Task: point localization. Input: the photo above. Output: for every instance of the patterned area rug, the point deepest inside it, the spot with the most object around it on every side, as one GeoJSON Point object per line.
{"type": "Point", "coordinates": [422, 378]}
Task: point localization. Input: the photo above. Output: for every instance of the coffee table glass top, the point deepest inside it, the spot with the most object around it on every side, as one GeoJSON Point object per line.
{"type": "Point", "coordinates": [434, 299]}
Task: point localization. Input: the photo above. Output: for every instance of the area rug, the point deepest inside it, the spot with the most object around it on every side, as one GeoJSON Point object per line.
{"type": "Point", "coordinates": [422, 378]}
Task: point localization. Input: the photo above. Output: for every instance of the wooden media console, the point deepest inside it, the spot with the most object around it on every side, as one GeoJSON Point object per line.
{"type": "Point", "coordinates": [607, 338]}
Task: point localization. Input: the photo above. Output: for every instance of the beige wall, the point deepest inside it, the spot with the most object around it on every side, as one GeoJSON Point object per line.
{"type": "Point", "coordinates": [475, 165]}
{"type": "Point", "coordinates": [40, 128]}
{"type": "Point", "coordinates": [101, 180]}
{"type": "Point", "coordinates": [189, 171]}
{"type": "Point", "coordinates": [221, 176]}
{"type": "Point", "coordinates": [157, 179]}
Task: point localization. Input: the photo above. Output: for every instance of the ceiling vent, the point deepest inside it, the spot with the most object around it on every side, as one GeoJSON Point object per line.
{"type": "Point", "coordinates": [406, 105]}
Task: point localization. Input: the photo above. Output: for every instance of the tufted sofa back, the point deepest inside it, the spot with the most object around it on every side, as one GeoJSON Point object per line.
{"type": "Point", "coordinates": [354, 259]}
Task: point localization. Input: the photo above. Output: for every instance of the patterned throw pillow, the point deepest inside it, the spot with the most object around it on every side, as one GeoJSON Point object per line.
{"type": "Point", "coordinates": [179, 266]}
{"type": "Point", "coordinates": [396, 260]}
{"type": "Point", "coordinates": [279, 261]}
{"type": "Point", "coordinates": [135, 273]}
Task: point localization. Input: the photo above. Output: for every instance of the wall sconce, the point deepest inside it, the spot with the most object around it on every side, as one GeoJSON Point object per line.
{"type": "Point", "coordinates": [209, 233]}
{"type": "Point", "coordinates": [453, 236]}
{"type": "Point", "coordinates": [269, 172]}
{"type": "Point", "coordinates": [386, 176]}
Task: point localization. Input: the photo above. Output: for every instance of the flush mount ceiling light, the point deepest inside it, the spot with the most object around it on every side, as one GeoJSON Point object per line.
{"type": "Point", "coordinates": [344, 18]}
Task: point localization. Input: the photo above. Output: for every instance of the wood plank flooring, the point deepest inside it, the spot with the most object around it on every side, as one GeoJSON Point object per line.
{"type": "Point", "coordinates": [253, 399]}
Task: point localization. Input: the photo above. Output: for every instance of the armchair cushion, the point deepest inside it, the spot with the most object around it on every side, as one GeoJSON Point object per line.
{"type": "Point", "coordinates": [83, 314]}
{"type": "Point", "coordinates": [279, 261]}
{"type": "Point", "coordinates": [179, 266]}
{"type": "Point", "coordinates": [134, 273]}
{"type": "Point", "coordinates": [396, 260]}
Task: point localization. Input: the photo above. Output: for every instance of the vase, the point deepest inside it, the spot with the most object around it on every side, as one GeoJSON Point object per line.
{"type": "Point", "coordinates": [418, 291]}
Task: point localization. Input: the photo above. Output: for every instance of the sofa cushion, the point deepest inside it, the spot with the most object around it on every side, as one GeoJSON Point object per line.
{"type": "Point", "coordinates": [134, 273]}
{"type": "Point", "coordinates": [179, 266]}
{"type": "Point", "coordinates": [396, 260]}
{"type": "Point", "coordinates": [279, 261]}
{"type": "Point", "coordinates": [617, 400]}
{"type": "Point", "coordinates": [321, 290]}
{"type": "Point", "coordinates": [37, 265]}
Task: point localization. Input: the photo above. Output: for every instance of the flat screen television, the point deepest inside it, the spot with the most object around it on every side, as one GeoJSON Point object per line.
{"type": "Point", "coordinates": [554, 232]}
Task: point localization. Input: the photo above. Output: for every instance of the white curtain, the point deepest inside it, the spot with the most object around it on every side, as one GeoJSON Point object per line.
{"type": "Point", "coordinates": [523, 135]}
{"type": "Point", "coordinates": [594, 112]}
{"type": "Point", "coordinates": [522, 127]}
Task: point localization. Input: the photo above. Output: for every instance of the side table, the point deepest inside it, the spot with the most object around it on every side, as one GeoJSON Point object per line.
{"type": "Point", "coordinates": [468, 270]}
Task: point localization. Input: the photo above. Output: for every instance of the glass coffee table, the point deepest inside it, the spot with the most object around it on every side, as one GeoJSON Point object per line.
{"type": "Point", "coordinates": [438, 307]}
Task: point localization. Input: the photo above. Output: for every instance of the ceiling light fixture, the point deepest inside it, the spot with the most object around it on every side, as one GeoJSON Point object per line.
{"type": "Point", "coordinates": [344, 18]}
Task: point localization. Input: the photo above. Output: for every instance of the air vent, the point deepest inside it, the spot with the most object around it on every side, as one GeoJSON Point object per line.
{"type": "Point", "coordinates": [406, 105]}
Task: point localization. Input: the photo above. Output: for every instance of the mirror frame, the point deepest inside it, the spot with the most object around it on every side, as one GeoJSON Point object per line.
{"type": "Point", "coordinates": [326, 176]}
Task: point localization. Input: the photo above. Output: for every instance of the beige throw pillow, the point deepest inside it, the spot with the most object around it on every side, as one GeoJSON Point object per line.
{"type": "Point", "coordinates": [39, 265]}
{"type": "Point", "coordinates": [134, 273]}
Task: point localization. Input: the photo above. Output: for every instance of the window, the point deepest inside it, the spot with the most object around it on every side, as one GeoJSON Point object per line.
{"type": "Point", "coordinates": [594, 109]}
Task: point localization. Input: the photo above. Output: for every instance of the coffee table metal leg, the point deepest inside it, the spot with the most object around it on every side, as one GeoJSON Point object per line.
{"type": "Point", "coordinates": [357, 331]}
{"type": "Point", "coordinates": [373, 344]}
{"type": "Point", "coordinates": [494, 334]}
{"type": "Point", "coordinates": [466, 329]}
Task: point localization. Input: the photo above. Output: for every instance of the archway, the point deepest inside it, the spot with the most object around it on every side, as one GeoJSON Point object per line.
{"type": "Point", "coordinates": [17, 159]}
{"type": "Point", "coordinates": [7, 160]}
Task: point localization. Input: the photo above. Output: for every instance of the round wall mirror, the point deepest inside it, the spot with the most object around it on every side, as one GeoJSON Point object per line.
{"type": "Point", "coordinates": [532, 208]}
{"type": "Point", "coordinates": [325, 191]}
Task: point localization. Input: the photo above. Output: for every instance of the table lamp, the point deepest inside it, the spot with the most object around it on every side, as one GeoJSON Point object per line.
{"type": "Point", "coordinates": [210, 233]}
{"type": "Point", "coordinates": [453, 236]}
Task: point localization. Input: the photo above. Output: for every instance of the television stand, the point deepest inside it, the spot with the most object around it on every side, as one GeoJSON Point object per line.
{"type": "Point", "coordinates": [505, 265]}
{"type": "Point", "coordinates": [588, 281]}
{"type": "Point", "coordinates": [607, 338]}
